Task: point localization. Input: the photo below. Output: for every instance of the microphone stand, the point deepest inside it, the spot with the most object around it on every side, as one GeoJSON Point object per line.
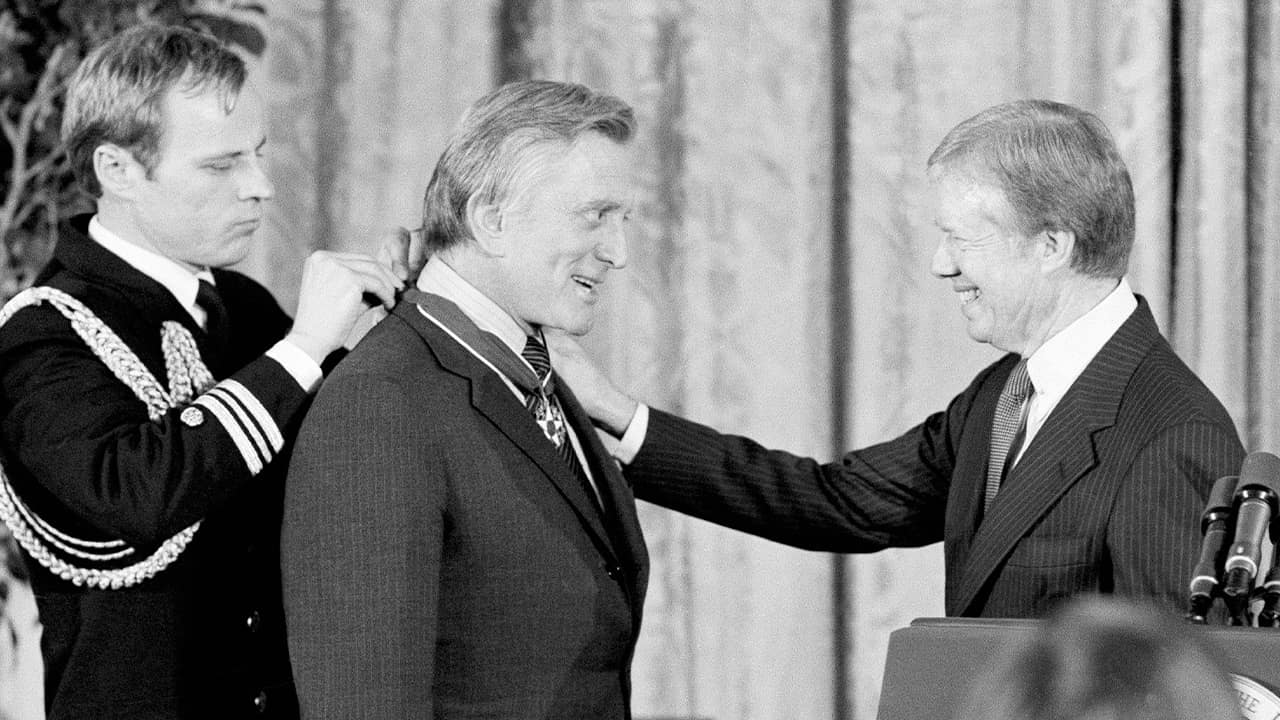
{"type": "Point", "coordinates": [1236, 595]}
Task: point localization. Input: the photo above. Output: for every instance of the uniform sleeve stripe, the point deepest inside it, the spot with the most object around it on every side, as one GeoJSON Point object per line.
{"type": "Point", "coordinates": [234, 429]}
{"type": "Point", "coordinates": [259, 413]}
{"type": "Point", "coordinates": [250, 427]}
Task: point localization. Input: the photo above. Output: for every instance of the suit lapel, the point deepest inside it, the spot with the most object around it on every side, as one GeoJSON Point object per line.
{"type": "Point", "coordinates": [1060, 454]}
{"type": "Point", "coordinates": [964, 502]}
{"type": "Point", "coordinates": [619, 504]}
{"type": "Point", "coordinates": [491, 397]}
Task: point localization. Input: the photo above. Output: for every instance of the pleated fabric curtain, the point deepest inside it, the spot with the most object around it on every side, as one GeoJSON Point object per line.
{"type": "Point", "coordinates": [1226, 295]}
{"type": "Point", "coordinates": [778, 284]}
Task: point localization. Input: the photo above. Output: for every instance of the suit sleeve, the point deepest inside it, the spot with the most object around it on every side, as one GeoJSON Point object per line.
{"type": "Point", "coordinates": [80, 434]}
{"type": "Point", "coordinates": [360, 554]}
{"type": "Point", "coordinates": [891, 494]}
{"type": "Point", "coordinates": [1153, 533]}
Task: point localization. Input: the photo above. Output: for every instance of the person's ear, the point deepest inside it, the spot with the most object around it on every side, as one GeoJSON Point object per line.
{"type": "Point", "coordinates": [487, 225]}
{"type": "Point", "coordinates": [118, 171]}
{"type": "Point", "coordinates": [1056, 249]}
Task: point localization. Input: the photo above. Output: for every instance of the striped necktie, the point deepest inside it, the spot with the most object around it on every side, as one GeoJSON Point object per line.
{"type": "Point", "coordinates": [1006, 427]}
{"type": "Point", "coordinates": [547, 412]}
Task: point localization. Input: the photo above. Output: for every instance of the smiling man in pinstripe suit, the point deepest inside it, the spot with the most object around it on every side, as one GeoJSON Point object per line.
{"type": "Point", "coordinates": [1078, 463]}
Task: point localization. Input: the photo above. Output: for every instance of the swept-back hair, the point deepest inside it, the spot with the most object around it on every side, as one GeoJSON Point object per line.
{"type": "Point", "coordinates": [1059, 169]}
{"type": "Point", "coordinates": [495, 139]}
{"type": "Point", "coordinates": [117, 92]}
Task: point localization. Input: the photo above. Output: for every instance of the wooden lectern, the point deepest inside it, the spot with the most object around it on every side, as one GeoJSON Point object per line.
{"type": "Point", "coordinates": [932, 663]}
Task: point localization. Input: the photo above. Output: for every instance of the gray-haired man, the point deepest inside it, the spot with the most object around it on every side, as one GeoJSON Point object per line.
{"type": "Point", "coordinates": [457, 544]}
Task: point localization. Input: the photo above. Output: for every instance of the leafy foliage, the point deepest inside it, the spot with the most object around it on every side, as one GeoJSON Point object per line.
{"type": "Point", "coordinates": [41, 42]}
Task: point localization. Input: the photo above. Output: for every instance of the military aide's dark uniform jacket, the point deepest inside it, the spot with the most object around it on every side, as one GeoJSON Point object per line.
{"type": "Point", "coordinates": [205, 637]}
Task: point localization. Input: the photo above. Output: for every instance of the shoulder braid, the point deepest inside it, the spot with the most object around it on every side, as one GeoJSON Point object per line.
{"type": "Point", "coordinates": [72, 558]}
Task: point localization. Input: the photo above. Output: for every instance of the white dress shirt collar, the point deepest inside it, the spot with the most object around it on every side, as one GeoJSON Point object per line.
{"type": "Point", "coordinates": [1060, 360]}
{"type": "Point", "coordinates": [1056, 364]}
{"type": "Point", "coordinates": [178, 280]}
{"type": "Point", "coordinates": [440, 279]}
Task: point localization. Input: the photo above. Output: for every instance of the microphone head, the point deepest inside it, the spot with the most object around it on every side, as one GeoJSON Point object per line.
{"type": "Point", "coordinates": [1221, 495]}
{"type": "Point", "coordinates": [1260, 470]}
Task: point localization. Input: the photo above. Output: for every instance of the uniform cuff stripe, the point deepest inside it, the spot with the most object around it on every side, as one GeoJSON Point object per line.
{"type": "Point", "coordinates": [234, 429]}
{"type": "Point", "coordinates": [247, 424]}
{"type": "Point", "coordinates": [257, 411]}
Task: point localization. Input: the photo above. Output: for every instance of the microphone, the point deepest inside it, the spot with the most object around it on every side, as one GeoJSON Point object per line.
{"type": "Point", "coordinates": [1269, 616]}
{"type": "Point", "coordinates": [1215, 526]}
{"type": "Point", "coordinates": [1256, 496]}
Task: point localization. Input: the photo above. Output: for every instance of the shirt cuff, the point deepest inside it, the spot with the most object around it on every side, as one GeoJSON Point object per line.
{"type": "Point", "coordinates": [297, 363]}
{"type": "Point", "coordinates": [629, 445]}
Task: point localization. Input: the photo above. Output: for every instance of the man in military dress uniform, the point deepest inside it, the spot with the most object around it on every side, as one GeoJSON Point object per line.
{"type": "Point", "coordinates": [147, 393]}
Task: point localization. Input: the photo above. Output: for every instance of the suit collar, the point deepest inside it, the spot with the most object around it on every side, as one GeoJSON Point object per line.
{"type": "Point", "coordinates": [493, 399]}
{"type": "Point", "coordinates": [438, 278]}
{"type": "Point", "coordinates": [1058, 362]}
{"type": "Point", "coordinates": [78, 253]}
{"type": "Point", "coordinates": [81, 257]}
{"type": "Point", "coordinates": [181, 282]}
{"type": "Point", "coordinates": [487, 347]}
{"type": "Point", "coordinates": [1059, 455]}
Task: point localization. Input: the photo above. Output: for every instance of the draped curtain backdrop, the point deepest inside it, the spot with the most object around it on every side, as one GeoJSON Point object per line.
{"type": "Point", "coordinates": [779, 283]}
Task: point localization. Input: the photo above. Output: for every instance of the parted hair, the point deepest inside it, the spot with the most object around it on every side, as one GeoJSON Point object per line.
{"type": "Point", "coordinates": [1059, 169]}
{"type": "Point", "coordinates": [497, 138]}
{"type": "Point", "coordinates": [116, 94]}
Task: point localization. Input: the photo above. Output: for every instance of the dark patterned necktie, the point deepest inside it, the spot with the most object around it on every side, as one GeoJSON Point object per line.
{"type": "Point", "coordinates": [1006, 427]}
{"type": "Point", "coordinates": [547, 412]}
{"type": "Point", "coordinates": [216, 324]}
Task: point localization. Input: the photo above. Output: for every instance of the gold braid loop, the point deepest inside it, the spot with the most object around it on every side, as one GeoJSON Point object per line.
{"type": "Point", "coordinates": [188, 377]}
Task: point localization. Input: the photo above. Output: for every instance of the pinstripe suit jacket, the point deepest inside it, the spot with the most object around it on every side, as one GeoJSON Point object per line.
{"type": "Point", "coordinates": [439, 558]}
{"type": "Point", "coordinates": [1106, 498]}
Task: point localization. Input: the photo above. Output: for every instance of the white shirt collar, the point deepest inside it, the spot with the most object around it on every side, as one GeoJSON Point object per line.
{"type": "Point", "coordinates": [440, 279]}
{"type": "Point", "coordinates": [178, 280]}
{"type": "Point", "coordinates": [1056, 364]}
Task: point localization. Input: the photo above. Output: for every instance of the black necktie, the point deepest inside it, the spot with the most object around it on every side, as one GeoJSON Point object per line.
{"type": "Point", "coordinates": [216, 325]}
